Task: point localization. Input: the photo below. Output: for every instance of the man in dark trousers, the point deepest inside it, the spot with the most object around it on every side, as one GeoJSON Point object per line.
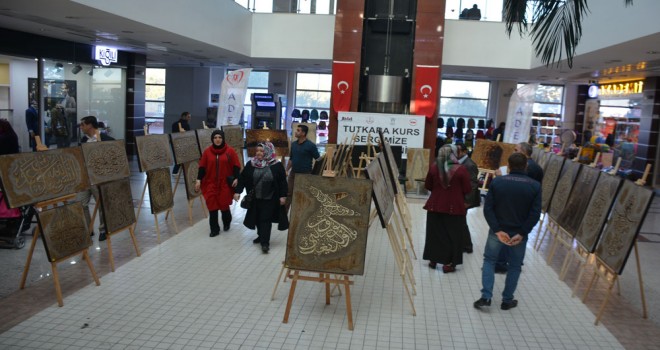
{"type": "Point", "coordinates": [472, 199]}
{"type": "Point", "coordinates": [32, 123]}
{"type": "Point", "coordinates": [185, 126]}
{"type": "Point", "coordinates": [512, 208]}
{"type": "Point", "coordinates": [303, 151]}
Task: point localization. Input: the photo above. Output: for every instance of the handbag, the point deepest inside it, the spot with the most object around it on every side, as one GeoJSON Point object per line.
{"type": "Point", "coordinates": [248, 200]}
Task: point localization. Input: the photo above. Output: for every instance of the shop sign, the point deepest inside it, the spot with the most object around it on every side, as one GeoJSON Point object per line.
{"type": "Point", "coordinates": [105, 55]}
{"type": "Point", "coordinates": [402, 130]}
{"type": "Point", "coordinates": [621, 89]}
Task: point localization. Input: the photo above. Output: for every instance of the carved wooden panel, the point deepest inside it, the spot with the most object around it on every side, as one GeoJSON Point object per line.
{"type": "Point", "coordinates": [277, 137]}
{"type": "Point", "coordinates": [597, 211]}
{"type": "Point", "coordinates": [64, 231]}
{"type": "Point", "coordinates": [28, 178]}
{"type": "Point", "coordinates": [117, 204]}
{"type": "Point", "coordinates": [154, 152]}
{"type": "Point", "coordinates": [492, 155]}
{"type": "Point", "coordinates": [383, 196]}
{"type": "Point", "coordinates": [311, 132]}
{"type": "Point", "coordinates": [417, 167]}
{"type": "Point", "coordinates": [190, 171]}
{"type": "Point", "coordinates": [204, 139]}
{"type": "Point", "coordinates": [105, 161]}
{"type": "Point", "coordinates": [234, 138]}
{"type": "Point", "coordinates": [185, 147]}
{"type": "Point", "coordinates": [550, 177]}
{"type": "Point", "coordinates": [563, 189]}
{"type": "Point", "coordinates": [329, 224]}
{"type": "Point", "coordinates": [160, 190]}
{"type": "Point", "coordinates": [392, 167]}
{"type": "Point", "coordinates": [573, 213]}
{"type": "Point", "coordinates": [536, 154]}
{"type": "Point", "coordinates": [626, 219]}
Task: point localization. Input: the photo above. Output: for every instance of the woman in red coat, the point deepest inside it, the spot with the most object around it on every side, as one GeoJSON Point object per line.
{"type": "Point", "coordinates": [219, 168]}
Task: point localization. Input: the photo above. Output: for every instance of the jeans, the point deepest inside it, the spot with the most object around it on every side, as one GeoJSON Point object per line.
{"type": "Point", "coordinates": [515, 258]}
{"type": "Point", "coordinates": [85, 198]}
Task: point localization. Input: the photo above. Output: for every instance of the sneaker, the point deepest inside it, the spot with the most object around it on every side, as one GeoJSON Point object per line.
{"type": "Point", "coordinates": [448, 268]}
{"type": "Point", "coordinates": [481, 303]}
{"type": "Point", "coordinates": [102, 237]}
{"type": "Point", "coordinates": [468, 250]}
{"type": "Point", "coordinates": [213, 234]}
{"type": "Point", "coordinates": [256, 240]}
{"type": "Point", "coordinates": [510, 305]}
{"type": "Point", "coordinates": [226, 227]}
{"type": "Point", "coordinates": [265, 249]}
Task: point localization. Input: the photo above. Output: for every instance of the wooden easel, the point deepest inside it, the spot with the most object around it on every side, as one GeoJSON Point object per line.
{"type": "Point", "coordinates": [577, 157]}
{"type": "Point", "coordinates": [596, 159]}
{"type": "Point", "coordinates": [131, 231]}
{"type": "Point", "coordinates": [137, 215]}
{"type": "Point", "coordinates": [53, 264]}
{"type": "Point", "coordinates": [616, 167]}
{"type": "Point", "coordinates": [365, 158]}
{"type": "Point", "coordinates": [190, 202]}
{"type": "Point", "coordinates": [402, 258]}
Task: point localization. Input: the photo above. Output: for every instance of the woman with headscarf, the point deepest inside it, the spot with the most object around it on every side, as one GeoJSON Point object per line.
{"type": "Point", "coordinates": [266, 176]}
{"type": "Point", "coordinates": [8, 138]}
{"type": "Point", "coordinates": [448, 182]}
{"type": "Point", "coordinates": [219, 168]}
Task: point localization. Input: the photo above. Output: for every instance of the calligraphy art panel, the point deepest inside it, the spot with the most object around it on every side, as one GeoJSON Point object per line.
{"type": "Point", "coordinates": [311, 131]}
{"type": "Point", "coordinates": [573, 213]}
{"type": "Point", "coordinates": [550, 177]}
{"type": "Point", "coordinates": [329, 224]}
{"type": "Point", "coordinates": [185, 147]}
{"type": "Point", "coordinates": [628, 213]}
{"type": "Point", "coordinates": [563, 189]}
{"type": "Point", "coordinates": [234, 138]}
{"type": "Point", "coordinates": [64, 231]}
{"type": "Point", "coordinates": [154, 152]}
{"type": "Point", "coordinates": [278, 138]}
{"type": "Point", "coordinates": [160, 190]}
{"type": "Point", "coordinates": [389, 159]}
{"type": "Point", "coordinates": [204, 139]}
{"type": "Point", "coordinates": [105, 161]}
{"type": "Point", "coordinates": [597, 211]}
{"type": "Point", "coordinates": [383, 196]}
{"type": "Point", "coordinates": [28, 178]}
{"type": "Point", "coordinates": [536, 154]}
{"type": "Point", "coordinates": [417, 166]}
{"type": "Point", "coordinates": [492, 155]}
{"type": "Point", "coordinates": [117, 204]}
{"type": "Point", "coordinates": [190, 171]}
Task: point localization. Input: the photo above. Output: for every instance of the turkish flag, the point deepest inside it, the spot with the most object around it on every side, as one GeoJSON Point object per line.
{"type": "Point", "coordinates": [426, 90]}
{"type": "Point", "coordinates": [342, 85]}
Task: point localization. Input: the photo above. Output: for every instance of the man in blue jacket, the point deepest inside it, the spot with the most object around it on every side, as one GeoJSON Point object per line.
{"type": "Point", "coordinates": [512, 209]}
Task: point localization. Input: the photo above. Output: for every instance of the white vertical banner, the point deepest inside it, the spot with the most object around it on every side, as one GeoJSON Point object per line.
{"type": "Point", "coordinates": [519, 116]}
{"type": "Point", "coordinates": [232, 96]}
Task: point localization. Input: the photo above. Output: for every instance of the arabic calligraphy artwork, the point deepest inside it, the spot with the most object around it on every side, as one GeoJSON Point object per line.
{"type": "Point", "coordinates": [154, 152]}
{"type": "Point", "coordinates": [28, 178]}
{"type": "Point", "coordinates": [234, 138]}
{"type": "Point", "coordinates": [563, 189]}
{"type": "Point", "coordinates": [383, 196]}
{"type": "Point", "coordinates": [392, 167]}
{"type": "Point", "coordinates": [277, 137]}
{"type": "Point", "coordinates": [492, 155]}
{"type": "Point", "coordinates": [204, 139]}
{"type": "Point", "coordinates": [185, 147]}
{"type": "Point", "coordinates": [597, 211]}
{"type": "Point", "coordinates": [573, 213]}
{"type": "Point", "coordinates": [105, 161]}
{"type": "Point", "coordinates": [417, 167]}
{"type": "Point", "coordinates": [190, 171]}
{"type": "Point", "coordinates": [626, 219]}
{"type": "Point", "coordinates": [329, 224]}
{"type": "Point", "coordinates": [117, 204]}
{"type": "Point", "coordinates": [64, 231]}
{"type": "Point", "coordinates": [160, 190]}
{"type": "Point", "coordinates": [550, 177]}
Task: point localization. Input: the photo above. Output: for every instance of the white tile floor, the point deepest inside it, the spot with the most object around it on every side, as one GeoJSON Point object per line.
{"type": "Point", "coordinates": [196, 292]}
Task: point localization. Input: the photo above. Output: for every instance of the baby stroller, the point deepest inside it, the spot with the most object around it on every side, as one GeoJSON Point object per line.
{"type": "Point", "coordinates": [13, 222]}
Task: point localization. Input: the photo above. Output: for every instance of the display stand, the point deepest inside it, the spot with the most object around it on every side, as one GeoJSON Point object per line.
{"type": "Point", "coordinates": [616, 167]}
{"type": "Point", "coordinates": [137, 215]}
{"type": "Point", "coordinates": [131, 231]}
{"type": "Point", "coordinates": [190, 202]}
{"type": "Point", "coordinates": [596, 159]}
{"type": "Point", "coordinates": [53, 264]}
{"type": "Point", "coordinates": [577, 157]}
{"type": "Point", "coordinates": [366, 158]}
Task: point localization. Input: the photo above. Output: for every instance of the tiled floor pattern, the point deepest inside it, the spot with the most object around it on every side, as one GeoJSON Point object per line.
{"type": "Point", "coordinates": [196, 292]}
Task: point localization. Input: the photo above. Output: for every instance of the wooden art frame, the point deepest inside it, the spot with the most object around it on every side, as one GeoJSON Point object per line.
{"type": "Point", "coordinates": [550, 177]}
{"type": "Point", "coordinates": [576, 206]}
{"type": "Point", "coordinates": [154, 152]}
{"type": "Point", "coordinates": [392, 167]}
{"type": "Point", "coordinates": [190, 171]}
{"type": "Point", "coordinates": [106, 161]}
{"type": "Point", "coordinates": [117, 204]}
{"type": "Point", "coordinates": [160, 190]}
{"type": "Point", "coordinates": [491, 155]}
{"type": "Point", "coordinates": [204, 139]}
{"type": "Point", "coordinates": [64, 231]}
{"type": "Point", "coordinates": [278, 138]}
{"type": "Point", "coordinates": [32, 177]}
{"type": "Point", "coordinates": [234, 138]}
{"type": "Point", "coordinates": [417, 166]}
{"type": "Point", "coordinates": [329, 224]}
{"type": "Point", "coordinates": [185, 146]}
{"type": "Point", "coordinates": [383, 195]}
{"type": "Point", "coordinates": [628, 213]}
{"type": "Point", "coordinates": [560, 196]}
{"type": "Point", "coordinates": [598, 210]}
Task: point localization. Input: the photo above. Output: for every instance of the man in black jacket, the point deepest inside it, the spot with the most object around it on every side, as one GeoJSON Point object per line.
{"type": "Point", "coordinates": [512, 208]}
{"type": "Point", "coordinates": [179, 126]}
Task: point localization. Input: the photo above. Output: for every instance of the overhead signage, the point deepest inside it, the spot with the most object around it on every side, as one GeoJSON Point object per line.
{"type": "Point", "coordinates": [402, 130]}
{"type": "Point", "coordinates": [621, 89]}
{"type": "Point", "coordinates": [105, 55]}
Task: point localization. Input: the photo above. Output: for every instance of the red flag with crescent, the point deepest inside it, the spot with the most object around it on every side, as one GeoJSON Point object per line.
{"type": "Point", "coordinates": [342, 85]}
{"type": "Point", "coordinates": [427, 84]}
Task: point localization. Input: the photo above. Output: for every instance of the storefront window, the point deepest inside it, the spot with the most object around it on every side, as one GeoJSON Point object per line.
{"type": "Point", "coordinates": [313, 92]}
{"type": "Point", "coordinates": [154, 105]}
{"type": "Point", "coordinates": [257, 83]}
{"type": "Point", "coordinates": [465, 100]}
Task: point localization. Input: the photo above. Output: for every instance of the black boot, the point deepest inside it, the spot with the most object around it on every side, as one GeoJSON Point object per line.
{"type": "Point", "coordinates": [226, 219]}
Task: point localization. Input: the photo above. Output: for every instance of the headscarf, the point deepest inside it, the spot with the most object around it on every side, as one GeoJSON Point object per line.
{"type": "Point", "coordinates": [447, 163]}
{"type": "Point", "coordinates": [221, 133]}
{"type": "Point", "coordinates": [269, 157]}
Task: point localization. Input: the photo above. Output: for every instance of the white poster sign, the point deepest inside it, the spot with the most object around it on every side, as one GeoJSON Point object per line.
{"type": "Point", "coordinates": [519, 116]}
{"type": "Point", "coordinates": [232, 96]}
{"type": "Point", "coordinates": [398, 129]}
